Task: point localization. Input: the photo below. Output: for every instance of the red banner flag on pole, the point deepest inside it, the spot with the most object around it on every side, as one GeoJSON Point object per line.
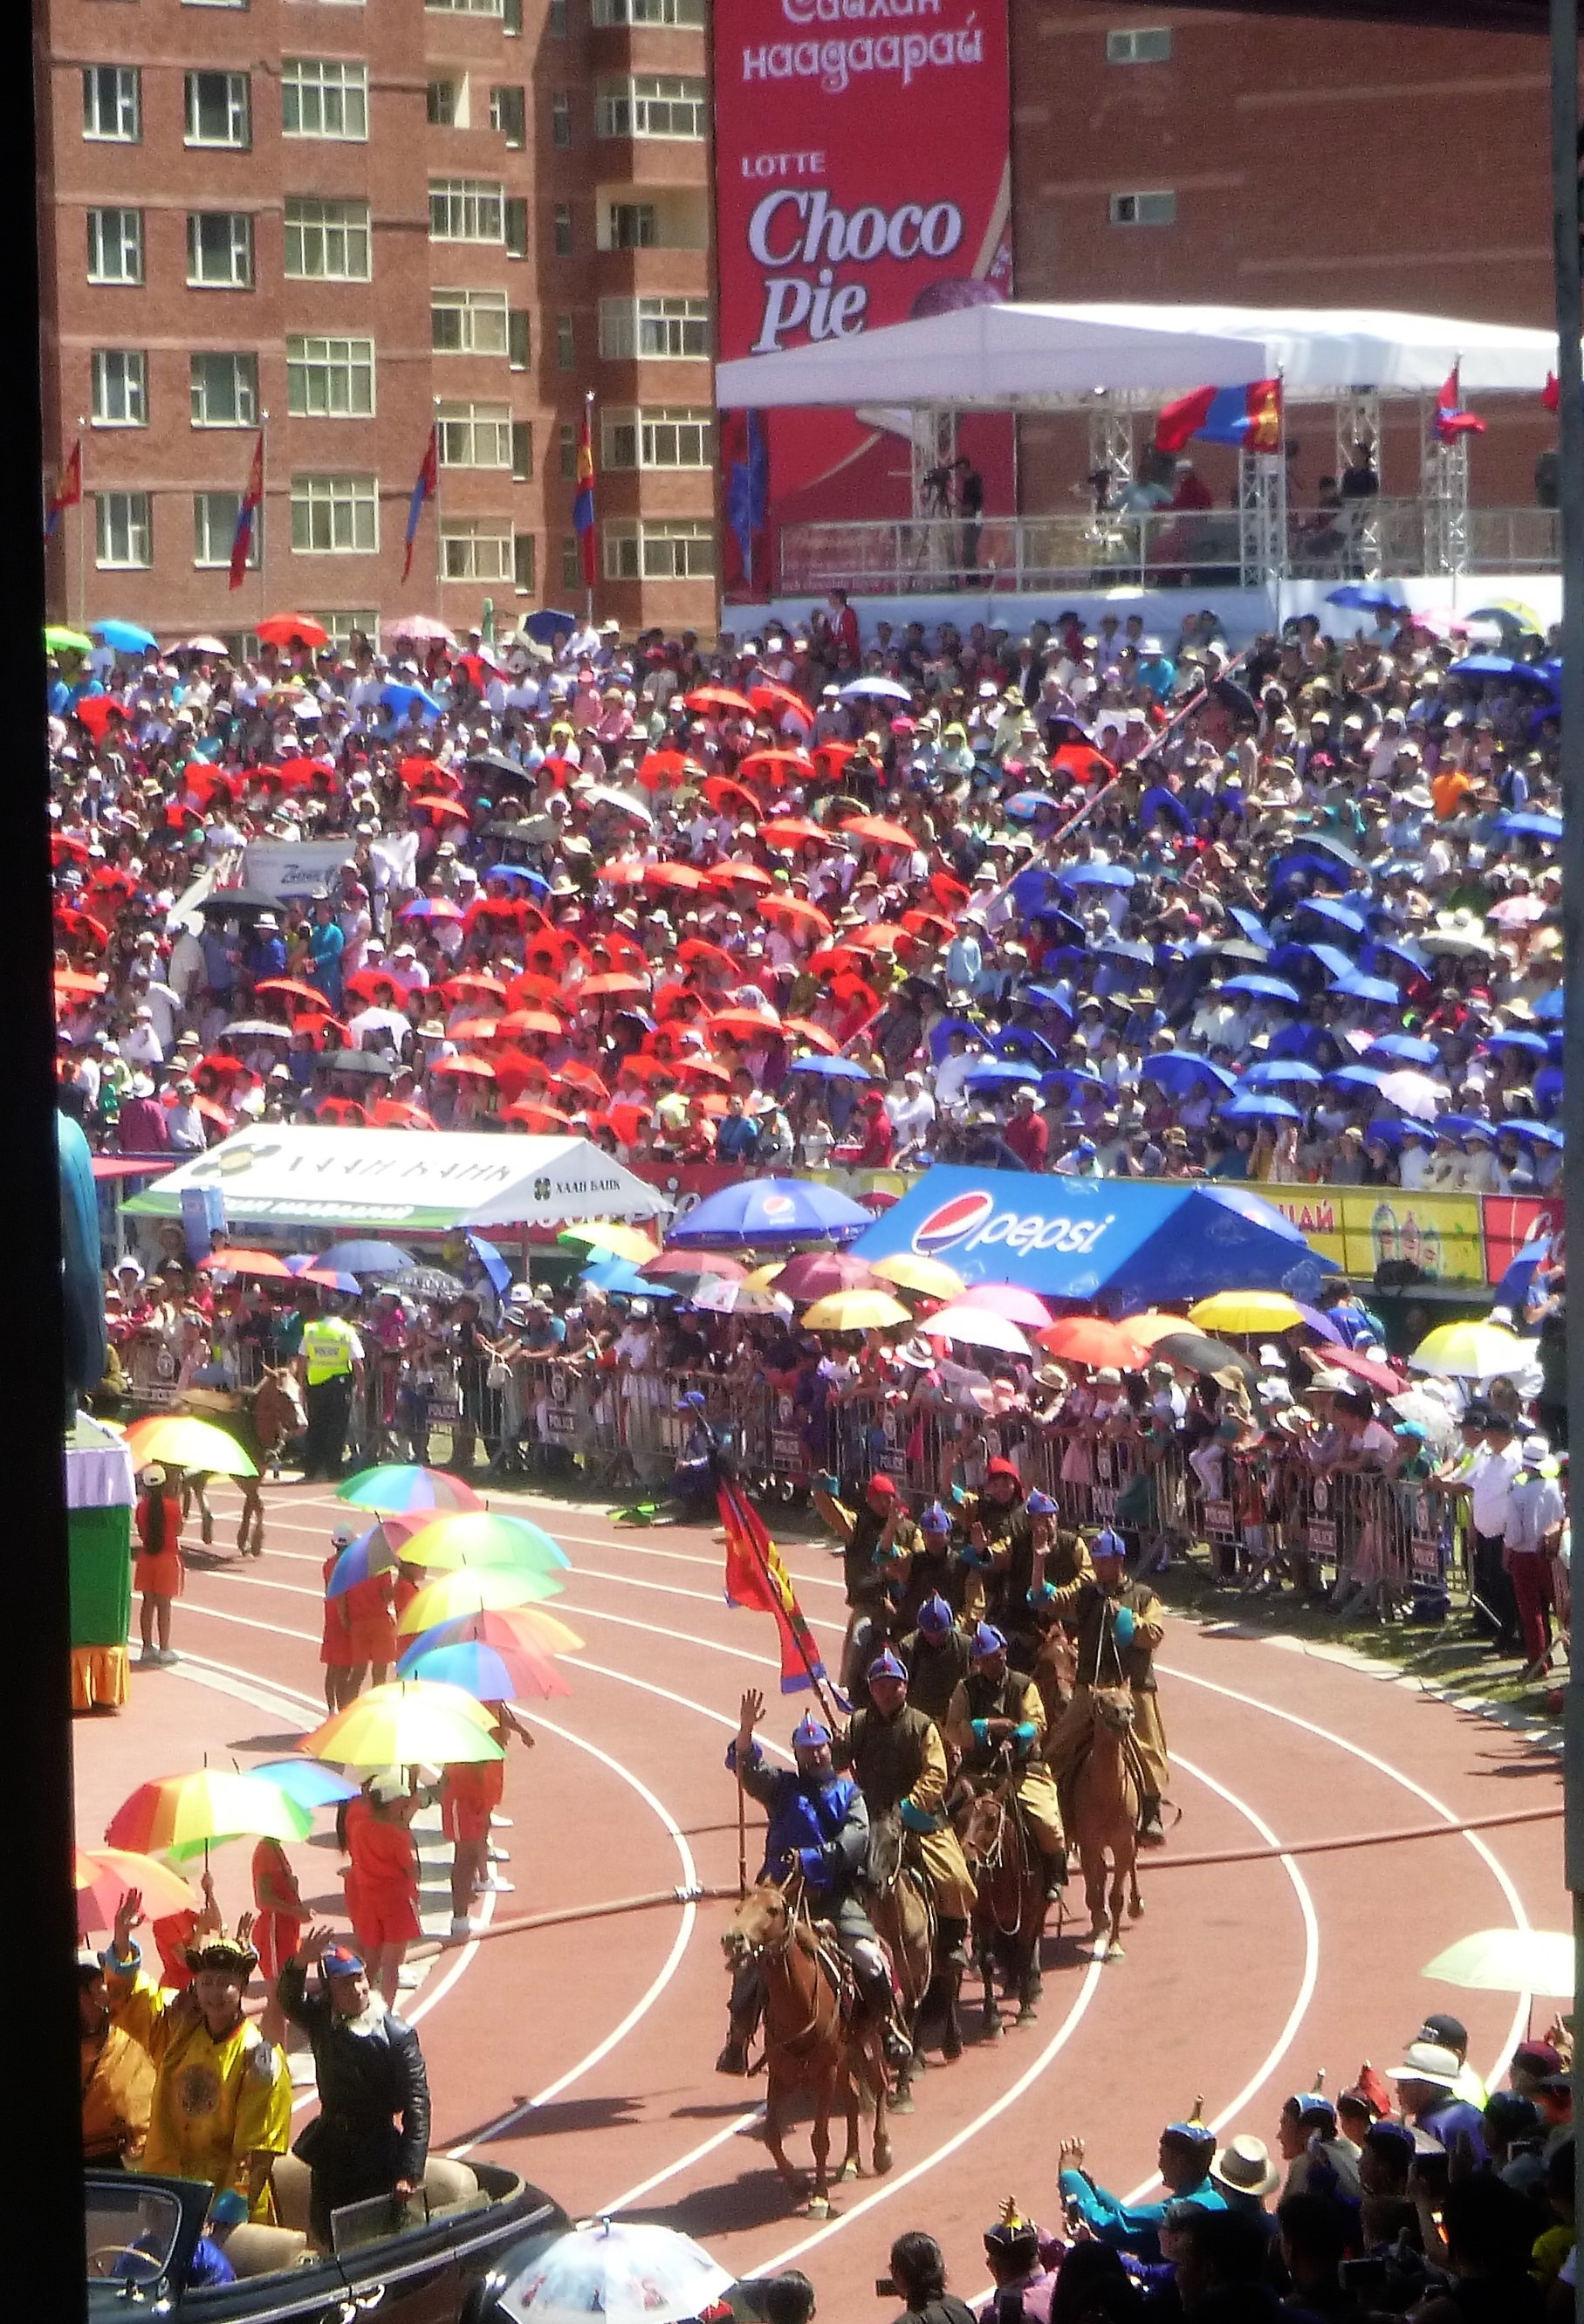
{"type": "Point", "coordinates": [252, 500]}
{"type": "Point", "coordinates": [427, 485]}
{"type": "Point", "coordinates": [756, 1577]}
{"type": "Point", "coordinates": [68, 492]}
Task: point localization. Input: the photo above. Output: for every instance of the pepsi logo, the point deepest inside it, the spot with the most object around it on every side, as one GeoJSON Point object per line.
{"type": "Point", "coordinates": [953, 1220]}
{"type": "Point", "coordinates": [777, 1207]}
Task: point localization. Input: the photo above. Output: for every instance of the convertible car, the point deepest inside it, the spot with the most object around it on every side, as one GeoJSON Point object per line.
{"type": "Point", "coordinates": [473, 2226]}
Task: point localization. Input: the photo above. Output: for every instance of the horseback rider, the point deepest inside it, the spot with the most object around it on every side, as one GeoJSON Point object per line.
{"type": "Point", "coordinates": [1119, 1625]}
{"type": "Point", "coordinates": [937, 1657]}
{"type": "Point", "coordinates": [995, 1710]}
{"type": "Point", "coordinates": [1062, 1567]}
{"type": "Point", "coordinates": [879, 1540]}
{"type": "Point", "coordinates": [895, 1750]}
{"type": "Point", "coordinates": [819, 1828]}
{"type": "Point", "coordinates": [1000, 1544]}
{"type": "Point", "coordinates": [934, 1571]}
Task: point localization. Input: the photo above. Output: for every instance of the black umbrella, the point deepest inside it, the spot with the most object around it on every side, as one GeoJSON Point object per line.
{"type": "Point", "coordinates": [1196, 1352]}
{"type": "Point", "coordinates": [1235, 948]}
{"type": "Point", "coordinates": [373, 1063]}
{"type": "Point", "coordinates": [225, 902]}
{"type": "Point", "coordinates": [425, 1283]}
{"type": "Point", "coordinates": [498, 768]}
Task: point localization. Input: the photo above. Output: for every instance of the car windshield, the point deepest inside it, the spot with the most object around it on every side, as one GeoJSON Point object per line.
{"type": "Point", "coordinates": [132, 2232]}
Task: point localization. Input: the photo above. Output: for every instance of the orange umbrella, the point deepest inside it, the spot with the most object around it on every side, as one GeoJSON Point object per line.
{"type": "Point", "coordinates": [738, 875]}
{"type": "Point", "coordinates": [476, 1028]}
{"type": "Point", "coordinates": [832, 757]}
{"type": "Point", "coordinates": [813, 1035]}
{"type": "Point", "coordinates": [477, 1069]}
{"type": "Point", "coordinates": [664, 767]}
{"type": "Point", "coordinates": [532, 1020]}
{"type": "Point", "coordinates": [438, 806]}
{"type": "Point", "coordinates": [527, 990]}
{"type": "Point", "coordinates": [292, 630]}
{"type": "Point", "coordinates": [472, 985]}
{"type": "Point", "coordinates": [770, 762]}
{"type": "Point", "coordinates": [928, 925]}
{"type": "Point", "coordinates": [793, 830]}
{"type": "Point", "coordinates": [876, 827]}
{"type": "Point", "coordinates": [673, 875]}
{"type": "Point", "coordinates": [721, 792]}
{"type": "Point", "coordinates": [883, 935]}
{"type": "Point", "coordinates": [582, 1077]}
{"type": "Point", "coordinates": [394, 1113]}
{"type": "Point", "coordinates": [614, 987]}
{"type": "Point", "coordinates": [533, 1115]}
{"type": "Point", "coordinates": [231, 1262]}
{"type": "Point", "coordinates": [626, 872]}
{"type": "Point", "coordinates": [1091, 1339]}
{"type": "Point", "coordinates": [751, 1024]}
{"type": "Point", "coordinates": [706, 1069]}
{"type": "Point", "coordinates": [69, 980]}
{"type": "Point", "coordinates": [694, 949]}
{"type": "Point", "coordinates": [795, 912]}
{"type": "Point", "coordinates": [291, 989]}
{"type": "Point", "coordinates": [707, 698]}
{"type": "Point", "coordinates": [1147, 1328]}
{"type": "Point", "coordinates": [369, 984]}
{"type": "Point", "coordinates": [345, 1111]}
{"type": "Point", "coordinates": [779, 701]}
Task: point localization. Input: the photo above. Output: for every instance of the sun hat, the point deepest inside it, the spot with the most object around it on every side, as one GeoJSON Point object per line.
{"type": "Point", "coordinates": [1244, 2165]}
{"type": "Point", "coordinates": [1427, 2061]}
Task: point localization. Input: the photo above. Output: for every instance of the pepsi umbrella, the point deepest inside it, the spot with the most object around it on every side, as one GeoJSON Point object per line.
{"type": "Point", "coordinates": [829, 1069]}
{"type": "Point", "coordinates": [1098, 875]}
{"type": "Point", "coordinates": [1177, 1070]}
{"type": "Point", "coordinates": [1261, 1107]}
{"type": "Point", "coordinates": [1530, 825]}
{"type": "Point", "coordinates": [1264, 988]}
{"type": "Point", "coordinates": [1404, 1049]}
{"type": "Point", "coordinates": [123, 637]}
{"type": "Point", "coordinates": [1369, 988]}
{"type": "Point", "coordinates": [1272, 1072]}
{"type": "Point", "coordinates": [542, 627]}
{"type": "Point", "coordinates": [1340, 916]}
{"type": "Point", "coordinates": [767, 1211]}
{"type": "Point", "coordinates": [1367, 597]}
{"type": "Point", "coordinates": [875, 690]}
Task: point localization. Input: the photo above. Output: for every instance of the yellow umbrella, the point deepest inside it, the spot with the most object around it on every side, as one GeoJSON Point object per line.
{"type": "Point", "coordinates": [1473, 1351]}
{"type": "Point", "coordinates": [763, 1278]}
{"type": "Point", "coordinates": [477, 1538]}
{"type": "Point", "coordinates": [404, 1722]}
{"type": "Point", "coordinates": [1245, 1310]}
{"type": "Point", "coordinates": [188, 1443]}
{"type": "Point", "coordinates": [476, 1592]}
{"type": "Point", "coordinates": [855, 1310]}
{"type": "Point", "coordinates": [931, 1277]}
{"type": "Point", "coordinates": [621, 1242]}
{"type": "Point", "coordinates": [1508, 1961]}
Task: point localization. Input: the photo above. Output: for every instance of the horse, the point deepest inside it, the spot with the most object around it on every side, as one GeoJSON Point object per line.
{"type": "Point", "coordinates": [261, 1419]}
{"type": "Point", "coordinates": [1009, 1919]}
{"type": "Point", "coordinates": [809, 2042]}
{"type": "Point", "coordinates": [905, 1922]}
{"type": "Point", "coordinates": [1104, 1819]}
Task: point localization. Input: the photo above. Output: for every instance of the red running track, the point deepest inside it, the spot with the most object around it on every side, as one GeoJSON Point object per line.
{"type": "Point", "coordinates": [583, 2055]}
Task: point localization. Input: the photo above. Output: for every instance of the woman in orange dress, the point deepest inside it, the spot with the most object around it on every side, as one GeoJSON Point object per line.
{"type": "Point", "coordinates": [279, 1918]}
{"type": "Point", "coordinates": [335, 1638]}
{"type": "Point", "coordinates": [470, 1793]}
{"type": "Point", "coordinates": [157, 1573]}
{"type": "Point", "coordinates": [381, 1884]}
{"type": "Point", "coordinates": [370, 1624]}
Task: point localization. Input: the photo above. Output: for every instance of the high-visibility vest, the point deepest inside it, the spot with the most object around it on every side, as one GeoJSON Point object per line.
{"type": "Point", "coordinates": [327, 1349]}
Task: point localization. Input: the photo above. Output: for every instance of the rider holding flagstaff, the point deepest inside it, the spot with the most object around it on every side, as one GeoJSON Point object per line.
{"type": "Point", "coordinates": [1119, 1625]}
{"type": "Point", "coordinates": [995, 1710]}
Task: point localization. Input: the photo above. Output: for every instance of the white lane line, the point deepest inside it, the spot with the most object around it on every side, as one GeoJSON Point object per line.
{"type": "Point", "coordinates": [1520, 2024]}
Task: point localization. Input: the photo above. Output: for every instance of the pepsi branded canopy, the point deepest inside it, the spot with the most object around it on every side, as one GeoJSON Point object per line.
{"type": "Point", "coordinates": [1124, 1242]}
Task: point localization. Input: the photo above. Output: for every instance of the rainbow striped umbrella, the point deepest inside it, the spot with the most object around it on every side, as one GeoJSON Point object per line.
{"type": "Point", "coordinates": [401, 1486]}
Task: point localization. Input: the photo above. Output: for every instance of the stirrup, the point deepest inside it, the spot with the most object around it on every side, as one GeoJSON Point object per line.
{"type": "Point", "coordinates": [1056, 1876]}
{"type": "Point", "coordinates": [1151, 1832]}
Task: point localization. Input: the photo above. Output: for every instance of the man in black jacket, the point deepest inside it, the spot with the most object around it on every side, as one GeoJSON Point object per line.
{"type": "Point", "coordinates": [372, 2134]}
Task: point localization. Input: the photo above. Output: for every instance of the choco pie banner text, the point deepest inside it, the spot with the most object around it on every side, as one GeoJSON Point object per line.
{"type": "Point", "coordinates": [863, 177]}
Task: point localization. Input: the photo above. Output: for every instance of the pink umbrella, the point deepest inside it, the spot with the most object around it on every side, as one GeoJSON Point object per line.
{"type": "Point", "coordinates": [1008, 1299]}
{"type": "Point", "coordinates": [977, 1327]}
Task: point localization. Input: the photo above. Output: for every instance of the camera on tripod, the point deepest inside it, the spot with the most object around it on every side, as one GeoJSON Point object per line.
{"type": "Point", "coordinates": [935, 486]}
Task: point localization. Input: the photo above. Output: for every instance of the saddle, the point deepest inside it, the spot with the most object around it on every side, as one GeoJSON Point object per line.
{"type": "Point", "coordinates": [836, 1968]}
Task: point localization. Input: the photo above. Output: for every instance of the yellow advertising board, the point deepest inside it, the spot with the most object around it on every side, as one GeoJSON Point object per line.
{"type": "Point", "coordinates": [1360, 1228]}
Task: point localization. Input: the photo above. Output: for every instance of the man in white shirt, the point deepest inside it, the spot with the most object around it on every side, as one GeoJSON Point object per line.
{"type": "Point", "coordinates": [141, 1045]}
{"type": "Point", "coordinates": [184, 1122]}
{"type": "Point", "coordinates": [1414, 1156]}
{"type": "Point", "coordinates": [1496, 1610]}
{"type": "Point", "coordinates": [913, 1112]}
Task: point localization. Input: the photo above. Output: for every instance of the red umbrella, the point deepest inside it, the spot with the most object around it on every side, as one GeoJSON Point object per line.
{"type": "Point", "coordinates": [795, 912]}
{"type": "Point", "coordinates": [289, 989]}
{"type": "Point", "coordinates": [437, 806]}
{"type": "Point", "coordinates": [779, 701]}
{"type": "Point", "coordinates": [928, 924]}
{"type": "Point", "coordinates": [695, 949]}
{"type": "Point", "coordinates": [1089, 1340]}
{"type": "Point", "coordinates": [748, 1023]}
{"type": "Point", "coordinates": [1084, 764]}
{"type": "Point", "coordinates": [395, 1113]}
{"type": "Point", "coordinates": [738, 875]}
{"type": "Point", "coordinates": [212, 1112]}
{"type": "Point", "coordinates": [368, 985]}
{"type": "Point", "coordinates": [527, 989]}
{"type": "Point", "coordinates": [292, 630]}
{"type": "Point", "coordinates": [82, 925]}
{"type": "Point", "coordinates": [948, 891]}
{"type": "Point", "coordinates": [476, 1028]}
{"type": "Point", "coordinates": [876, 827]}
{"type": "Point", "coordinates": [344, 1113]}
{"type": "Point", "coordinates": [721, 792]}
{"type": "Point", "coordinates": [430, 775]}
{"type": "Point", "coordinates": [794, 830]}
{"type": "Point", "coordinates": [1374, 1372]}
{"type": "Point", "coordinates": [64, 848]}
{"type": "Point", "coordinates": [658, 768]}
{"type": "Point", "coordinates": [674, 875]}
{"type": "Point", "coordinates": [626, 872]}
{"type": "Point", "coordinates": [535, 1116]}
{"type": "Point", "coordinates": [69, 981]}
{"type": "Point", "coordinates": [473, 985]}
{"type": "Point", "coordinates": [816, 1274]}
{"type": "Point", "coordinates": [832, 757]}
{"type": "Point", "coordinates": [582, 1077]}
{"type": "Point", "coordinates": [771, 762]}
{"type": "Point", "coordinates": [883, 935]}
{"type": "Point", "coordinates": [95, 712]}
{"type": "Point", "coordinates": [231, 1262]}
{"type": "Point", "coordinates": [697, 1262]}
{"type": "Point", "coordinates": [812, 1035]}
{"type": "Point", "coordinates": [296, 774]}
{"type": "Point", "coordinates": [707, 698]}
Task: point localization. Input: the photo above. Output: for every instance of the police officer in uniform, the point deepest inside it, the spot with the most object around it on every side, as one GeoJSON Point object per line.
{"type": "Point", "coordinates": [895, 1752]}
{"type": "Point", "coordinates": [371, 2135]}
{"type": "Point", "coordinates": [937, 1657]}
{"type": "Point", "coordinates": [819, 1827]}
{"type": "Point", "coordinates": [1119, 1625]}
{"type": "Point", "coordinates": [330, 1364]}
{"type": "Point", "coordinates": [997, 1708]}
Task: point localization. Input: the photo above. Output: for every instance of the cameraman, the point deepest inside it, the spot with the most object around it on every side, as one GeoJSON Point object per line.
{"type": "Point", "coordinates": [969, 498]}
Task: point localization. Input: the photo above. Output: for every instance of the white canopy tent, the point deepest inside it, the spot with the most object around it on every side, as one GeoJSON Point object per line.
{"type": "Point", "coordinates": [433, 1182]}
{"type": "Point", "coordinates": [1038, 356]}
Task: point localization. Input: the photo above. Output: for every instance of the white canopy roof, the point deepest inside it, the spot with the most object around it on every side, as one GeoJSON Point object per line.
{"type": "Point", "coordinates": [437, 1180]}
{"type": "Point", "coordinates": [994, 357]}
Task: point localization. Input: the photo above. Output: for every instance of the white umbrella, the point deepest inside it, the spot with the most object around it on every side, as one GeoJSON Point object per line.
{"type": "Point", "coordinates": [602, 794]}
{"type": "Point", "coordinates": [1508, 1961]}
{"type": "Point", "coordinates": [622, 2274]}
{"type": "Point", "coordinates": [1436, 1418]}
{"type": "Point", "coordinates": [718, 1296]}
{"type": "Point", "coordinates": [378, 1020]}
{"type": "Point", "coordinates": [1414, 1093]}
{"type": "Point", "coordinates": [977, 1327]}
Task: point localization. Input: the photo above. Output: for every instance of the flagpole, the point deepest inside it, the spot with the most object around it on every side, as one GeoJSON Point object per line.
{"type": "Point", "coordinates": [439, 538]}
{"type": "Point", "coordinates": [82, 527]}
{"type": "Point", "coordinates": [734, 1494]}
{"type": "Point", "coordinates": [593, 547]}
{"type": "Point", "coordinates": [263, 509]}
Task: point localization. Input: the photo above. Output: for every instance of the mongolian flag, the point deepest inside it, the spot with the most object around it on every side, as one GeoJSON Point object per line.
{"type": "Point", "coordinates": [745, 483]}
{"type": "Point", "coordinates": [242, 539]}
{"type": "Point", "coordinates": [429, 483]}
{"type": "Point", "coordinates": [757, 1578]}
{"type": "Point", "coordinates": [583, 501]}
{"type": "Point", "coordinates": [1249, 416]}
{"type": "Point", "coordinates": [1450, 418]}
{"type": "Point", "coordinates": [68, 492]}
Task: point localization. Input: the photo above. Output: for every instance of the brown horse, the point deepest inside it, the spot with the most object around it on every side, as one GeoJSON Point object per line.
{"type": "Point", "coordinates": [1104, 1819]}
{"type": "Point", "coordinates": [261, 1419]}
{"type": "Point", "coordinates": [905, 1923]}
{"type": "Point", "coordinates": [1009, 1920]}
{"type": "Point", "coordinates": [809, 2045]}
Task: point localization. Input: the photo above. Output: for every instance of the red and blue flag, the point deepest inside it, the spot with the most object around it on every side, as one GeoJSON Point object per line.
{"type": "Point", "coordinates": [1450, 418]}
{"type": "Point", "coordinates": [583, 504]}
{"type": "Point", "coordinates": [427, 485]}
{"type": "Point", "coordinates": [1248, 417]}
{"type": "Point", "coordinates": [252, 501]}
{"type": "Point", "coordinates": [68, 492]}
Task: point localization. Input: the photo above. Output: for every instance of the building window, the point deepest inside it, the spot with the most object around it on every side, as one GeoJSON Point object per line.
{"type": "Point", "coordinates": [560, 118]}
{"type": "Point", "coordinates": [1144, 209]}
{"type": "Point", "coordinates": [321, 97]}
{"type": "Point", "coordinates": [555, 21]}
{"type": "Point", "coordinates": [652, 105]}
{"type": "Point", "coordinates": [522, 451]}
{"type": "Point", "coordinates": [633, 226]}
{"type": "Point", "coordinates": [123, 533]}
{"type": "Point", "coordinates": [655, 439]}
{"type": "Point", "coordinates": [509, 115]}
{"type": "Point", "coordinates": [517, 225]}
{"type": "Point", "coordinates": [219, 250]}
{"type": "Point", "coordinates": [442, 104]}
{"type": "Point", "coordinates": [463, 7]}
{"type": "Point", "coordinates": [476, 549]}
{"type": "Point", "coordinates": [561, 229]}
{"type": "Point", "coordinates": [654, 330]}
{"type": "Point", "coordinates": [566, 344]}
{"type": "Point", "coordinates": [115, 245]}
{"type": "Point", "coordinates": [335, 515]}
{"type": "Point", "coordinates": [112, 105]}
{"type": "Point", "coordinates": [467, 322]}
{"type": "Point", "coordinates": [474, 435]}
{"type": "Point", "coordinates": [327, 241]}
{"type": "Point", "coordinates": [225, 390]}
{"type": "Point", "coordinates": [217, 110]}
{"type": "Point", "coordinates": [329, 379]}
{"type": "Point", "coordinates": [1152, 46]}
{"type": "Point", "coordinates": [571, 561]}
{"type": "Point", "coordinates": [213, 530]}
{"type": "Point", "coordinates": [680, 549]}
{"type": "Point", "coordinates": [518, 340]}
{"type": "Point", "coordinates": [566, 451]}
{"type": "Point", "coordinates": [467, 209]}
{"type": "Point", "coordinates": [687, 15]}
{"type": "Point", "coordinates": [524, 562]}
{"type": "Point", "coordinates": [121, 388]}
{"type": "Point", "coordinates": [363, 621]}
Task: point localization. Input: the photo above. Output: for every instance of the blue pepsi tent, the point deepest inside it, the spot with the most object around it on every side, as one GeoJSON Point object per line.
{"type": "Point", "coordinates": [1123, 1242]}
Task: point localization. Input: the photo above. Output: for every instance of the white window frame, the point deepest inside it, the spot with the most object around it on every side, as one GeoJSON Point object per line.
{"type": "Point", "coordinates": [476, 549]}
{"type": "Point", "coordinates": [214, 529]}
{"type": "Point", "coordinates": [341, 623]}
{"type": "Point", "coordinates": [325, 98]}
{"type": "Point", "coordinates": [639, 436]}
{"type": "Point", "coordinates": [463, 7]}
{"type": "Point", "coordinates": [473, 305]}
{"type": "Point", "coordinates": [238, 133]}
{"type": "Point", "coordinates": [679, 15]}
{"type": "Point", "coordinates": [329, 377]}
{"type": "Point", "coordinates": [645, 217]}
{"type": "Point", "coordinates": [334, 228]}
{"type": "Point", "coordinates": [515, 133]}
{"type": "Point", "coordinates": [245, 395]}
{"type": "Point", "coordinates": [120, 375]}
{"type": "Point", "coordinates": [473, 210]}
{"type": "Point", "coordinates": [131, 513]}
{"type": "Point", "coordinates": [634, 548]}
{"type": "Point", "coordinates": [129, 242]}
{"type": "Point", "coordinates": [653, 106]}
{"type": "Point", "coordinates": [474, 435]}
{"type": "Point", "coordinates": [1138, 44]}
{"type": "Point", "coordinates": [112, 105]}
{"type": "Point", "coordinates": [1156, 206]}
{"type": "Point", "coordinates": [332, 505]}
{"type": "Point", "coordinates": [668, 321]}
{"type": "Point", "coordinates": [242, 245]}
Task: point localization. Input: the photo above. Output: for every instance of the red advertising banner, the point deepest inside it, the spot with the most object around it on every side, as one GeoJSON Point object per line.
{"type": "Point", "coordinates": [1511, 1221]}
{"type": "Point", "coordinates": [863, 176]}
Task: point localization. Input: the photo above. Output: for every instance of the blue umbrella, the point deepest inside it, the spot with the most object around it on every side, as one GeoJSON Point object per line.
{"type": "Point", "coordinates": [1340, 916]}
{"type": "Point", "coordinates": [1026, 805]}
{"type": "Point", "coordinates": [767, 1211]}
{"type": "Point", "coordinates": [542, 626]}
{"type": "Point", "coordinates": [309, 1782]}
{"type": "Point", "coordinates": [1264, 988]}
{"type": "Point", "coordinates": [493, 1263]}
{"type": "Point", "coordinates": [1119, 948]}
{"type": "Point", "coordinates": [1466, 1125]}
{"type": "Point", "coordinates": [1497, 665]}
{"type": "Point", "coordinates": [1530, 1045]}
{"type": "Point", "coordinates": [1020, 1041]}
{"type": "Point", "coordinates": [1159, 801]}
{"type": "Point", "coordinates": [1349, 1077]}
{"type": "Point", "coordinates": [1049, 996]}
{"type": "Point", "coordinates": [1367, 597]}
{"type": "Point", "coordinates": [534, 879]}
{"type": "Point", "coordinates": [1369, 988]}
{"type": "Point", "coordinates": [1381, 949]}
{"type": "Point", "coordinates": [622, 1280]}
{"type": "Point", "coordinates": [124, 637]}
{"type": "Point", "coordinates": [1548, 1087]}
{"type": "Point", "coordinates": [1271, 1072]}
{"type": "Point", "coordinates": [830, 1069]}
{"type": "Point", "coordinates": [1335, 963]}
{"type": "Point", "coordinates": [1098, 875]}
{"type": "Point", "coordinates": [399, 700]}
{"type": "Point", "coordinates": [344, 1280]}
{"type": "Point", "coordinates": [1002, 1072]}
{"type": "Point", "coordinates": [366, 1257]}
{"type": "Point", "coordinates": [1179, 1069]}
{"type": "Point", "coordinates": [1535, 1133]}
{"type": "Point", "coordinates": [1252, 926]}
{"type": "Point", "coordinates": [1529, 825]}
{"type": "Point", "coordinates": [1382, 1131]}
{"type": "Point", "coordinates": [875, 690]}
{"type": "Point", "coordinates": [1404, 1050]}
{"type": "Point", "coordinates": [1067, 1081]}
{"type": "Point", "coordinates": [1513, 1287]}
{"type": "Point", "coordinates": [1260, 1108]}
{"type": "Point", "coordinates": [1550, 1007]}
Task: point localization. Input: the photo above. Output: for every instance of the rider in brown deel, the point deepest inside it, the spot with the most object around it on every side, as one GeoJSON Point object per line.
{"type": "Point", "coordinates": [994, 1710]}
{"type": "Point", "coordinates": [895, 1752]}
{"type": "Point", "coordinates": [1119, 1625]}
